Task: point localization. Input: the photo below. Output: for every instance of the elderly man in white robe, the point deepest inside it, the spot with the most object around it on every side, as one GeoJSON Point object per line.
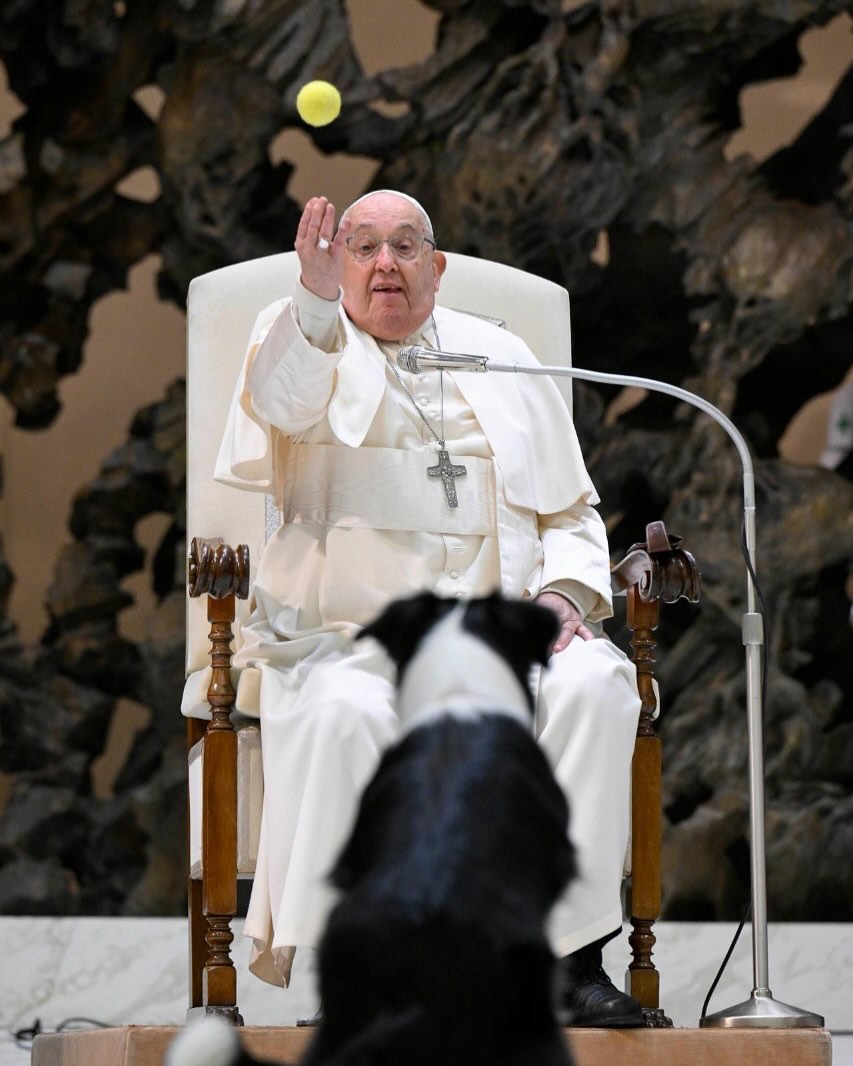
{"type": "Point", "coordinates": [355, 448]}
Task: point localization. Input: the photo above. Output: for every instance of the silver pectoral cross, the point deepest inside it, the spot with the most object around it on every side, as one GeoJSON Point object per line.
{"type": "Point", "coordinates": [447, 471]}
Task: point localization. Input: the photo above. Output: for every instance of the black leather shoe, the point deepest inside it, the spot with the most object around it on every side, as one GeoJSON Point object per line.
{"type": "Point", "coordinates": [313, 1021]}
{"type": "Point", "coordinates": [590, 999]}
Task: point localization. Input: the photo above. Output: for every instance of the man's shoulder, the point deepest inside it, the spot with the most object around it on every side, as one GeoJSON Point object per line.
{"type": "Point", "coordinates": [465, 318]}
{"type": "Point", "coordinates": [476, 329]}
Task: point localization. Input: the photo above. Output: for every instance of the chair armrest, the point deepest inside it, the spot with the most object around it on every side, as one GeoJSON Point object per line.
{"type": "Point", "coordinates": [217, 569]}
{"type": "Point", "coordinates": [659, 568]}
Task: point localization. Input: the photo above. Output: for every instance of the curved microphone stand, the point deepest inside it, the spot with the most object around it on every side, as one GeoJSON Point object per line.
{"type": "Point", "coordinates": [761, 1010]}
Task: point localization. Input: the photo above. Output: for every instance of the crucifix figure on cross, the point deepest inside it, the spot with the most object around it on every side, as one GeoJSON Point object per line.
{"type": "Point", "coordinates": [447, 471]}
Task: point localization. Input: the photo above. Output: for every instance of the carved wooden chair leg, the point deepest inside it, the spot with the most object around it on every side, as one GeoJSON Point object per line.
{"type": "Point", "coordinates": [654, 572]}
{"type": "Point", "coordinates": [223, 574]}
{"type": "Point", "coordinates": [645, 809]}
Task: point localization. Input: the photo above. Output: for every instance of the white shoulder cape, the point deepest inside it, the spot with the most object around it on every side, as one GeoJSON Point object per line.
{"type": "Point", "coordinates": [523, 417]}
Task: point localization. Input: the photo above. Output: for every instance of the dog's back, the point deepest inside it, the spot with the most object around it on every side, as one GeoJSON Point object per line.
{"type": "Point", "coordinates": [436, 951]}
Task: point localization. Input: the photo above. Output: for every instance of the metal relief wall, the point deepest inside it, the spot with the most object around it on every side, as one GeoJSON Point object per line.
{"type": "Point", "coordinates": [582, 141]}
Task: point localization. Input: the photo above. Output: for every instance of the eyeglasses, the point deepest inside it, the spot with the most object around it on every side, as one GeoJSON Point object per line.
{"type": "Point", "coordinates": [404, 247]}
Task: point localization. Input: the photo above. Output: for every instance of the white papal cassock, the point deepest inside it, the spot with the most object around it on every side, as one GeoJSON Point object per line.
{"type": "Point", "coordinates": [320, 419]}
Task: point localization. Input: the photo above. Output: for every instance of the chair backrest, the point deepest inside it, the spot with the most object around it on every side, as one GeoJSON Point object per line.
{"type": "Point", "coordinates": [221, 309]}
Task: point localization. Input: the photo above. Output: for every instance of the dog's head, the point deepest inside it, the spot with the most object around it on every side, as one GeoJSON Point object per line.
{"type": "Point", "coordinates": [518, 632]}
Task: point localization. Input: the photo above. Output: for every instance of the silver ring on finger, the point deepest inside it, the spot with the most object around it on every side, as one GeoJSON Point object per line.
{"type": "Point", "coordinates": [323, 244]}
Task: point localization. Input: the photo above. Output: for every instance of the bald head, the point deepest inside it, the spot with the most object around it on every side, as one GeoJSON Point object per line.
{"type": "Point", "coordinates": [425, 219]}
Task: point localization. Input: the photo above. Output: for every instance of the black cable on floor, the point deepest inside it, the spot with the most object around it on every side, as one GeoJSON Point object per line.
{"type": "Point", "coordinates": [87, 1023]}
{"type": "Point", "coordinates": [24, 1037]}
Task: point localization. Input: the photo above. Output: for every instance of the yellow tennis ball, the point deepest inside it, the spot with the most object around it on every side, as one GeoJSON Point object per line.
{"type": "Point", "coordinates": [318, 103]}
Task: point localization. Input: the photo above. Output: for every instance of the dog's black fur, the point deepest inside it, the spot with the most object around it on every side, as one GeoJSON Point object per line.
{"type": "Point", "coordinates": [436, 951]}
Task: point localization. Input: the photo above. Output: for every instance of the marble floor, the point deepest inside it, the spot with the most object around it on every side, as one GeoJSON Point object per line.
{"type": "Point", "coordinates": [58, 972]}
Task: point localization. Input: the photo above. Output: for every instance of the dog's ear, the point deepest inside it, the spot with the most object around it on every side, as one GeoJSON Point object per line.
{"type": "Point", "coordinates": [404, 623]}
{"type": "Point", "coordinates": [542, 629]}
{"type": "Point", "coordinates": [521, 630]}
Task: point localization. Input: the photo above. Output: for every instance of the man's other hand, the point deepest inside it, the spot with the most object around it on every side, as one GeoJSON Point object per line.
{"type": "Point", "coordinates": [571, 622]}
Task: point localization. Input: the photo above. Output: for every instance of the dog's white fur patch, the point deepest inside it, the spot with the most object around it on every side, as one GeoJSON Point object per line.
{"type": "Point", "coordinates": [210, 1041]}
{"type": "Point", "coordinates": [454, 672]}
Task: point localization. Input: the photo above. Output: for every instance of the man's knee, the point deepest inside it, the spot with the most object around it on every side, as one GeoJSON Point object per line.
{"type": "Point", "coordinates": [347, 704]}
{"type": "Point", "coordinates": [594, 674]}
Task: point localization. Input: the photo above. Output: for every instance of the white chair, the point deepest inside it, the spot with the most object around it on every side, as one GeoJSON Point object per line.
{"type": "Point", "coordinates": [225, 767]}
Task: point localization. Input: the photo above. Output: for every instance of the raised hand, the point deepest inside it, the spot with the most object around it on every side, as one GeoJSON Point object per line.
{"type": "Point", "coordinates": [320, 249]}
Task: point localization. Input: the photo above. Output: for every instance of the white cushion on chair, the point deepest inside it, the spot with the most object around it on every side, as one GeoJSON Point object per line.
{"type": "Point", "coordinates": [250, 798]}
{"type": "Point", "coordinates": [221, 310]}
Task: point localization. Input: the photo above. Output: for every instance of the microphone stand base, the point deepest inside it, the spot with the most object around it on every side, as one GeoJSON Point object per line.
{"type": "Point", "coordinates": [762, 1011]}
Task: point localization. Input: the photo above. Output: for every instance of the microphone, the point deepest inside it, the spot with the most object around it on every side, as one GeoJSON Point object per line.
{"type": "Point", "coordinates": [416, 359]}
{"type": "Point", "coordinates": [760, 1009]}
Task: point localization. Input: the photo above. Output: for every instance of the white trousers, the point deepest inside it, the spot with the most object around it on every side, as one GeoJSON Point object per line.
{"type": "Point", "coordinates": [324, 731]}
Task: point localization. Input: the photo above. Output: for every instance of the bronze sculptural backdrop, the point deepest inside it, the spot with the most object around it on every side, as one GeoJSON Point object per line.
{"type": "Point", "coordinates": [534, 132]}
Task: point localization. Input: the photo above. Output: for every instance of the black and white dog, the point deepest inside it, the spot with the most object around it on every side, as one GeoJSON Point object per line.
{"type": "Point", "coordinates": [436, 951]}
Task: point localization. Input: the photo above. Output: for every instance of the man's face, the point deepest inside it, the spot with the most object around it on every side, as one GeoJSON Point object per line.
{"type": "Point", "coordinates": [385, 297]}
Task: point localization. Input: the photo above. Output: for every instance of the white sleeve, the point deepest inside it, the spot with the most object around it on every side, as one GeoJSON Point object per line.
{"type": "Point", "coordinates": [317, 318]}
{"type": "Point", "coordinates": [291, 378]}
{"type": "Point", "coordinates": [576, 559]}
